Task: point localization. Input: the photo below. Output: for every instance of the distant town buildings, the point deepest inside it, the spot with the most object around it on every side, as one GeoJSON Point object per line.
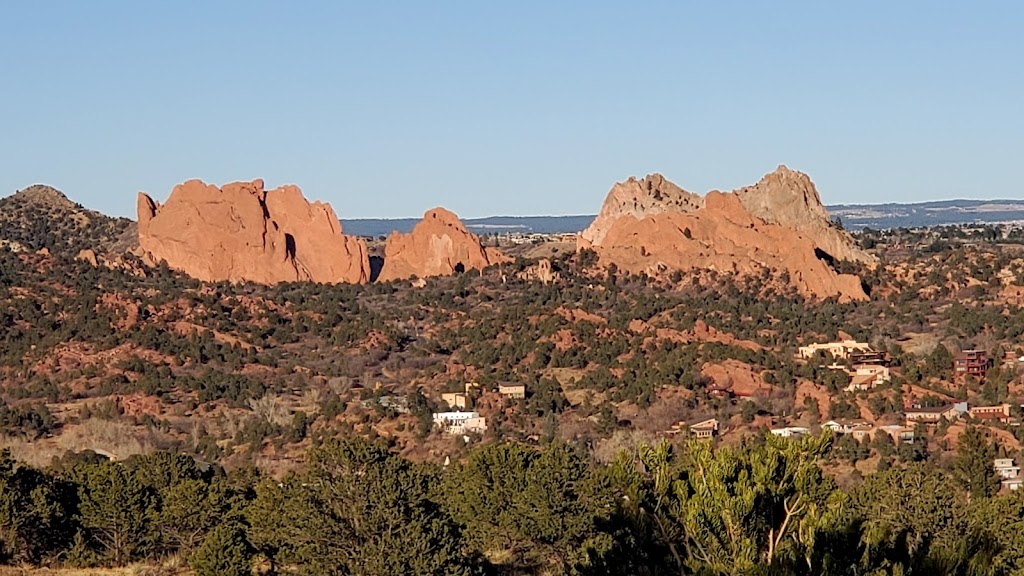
{"type": "Point", "coordinates": [861, 430]}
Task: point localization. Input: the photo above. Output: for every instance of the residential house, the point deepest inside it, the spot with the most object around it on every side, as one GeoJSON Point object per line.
{"type": "Point", "coordinates": [838, 350]}
{"type": "Point", "coordinates": [1006, 468]}
{"type": "Point", "coordinates": [704, 429]}
{"type": "Point", "coordinates": [862, 432]}
{"type": "Point", "coordinates": [456, 400]}
{"type": "Point", "coordinates": [1000, 413]}
{"type": "Point", "coordinates": [971, 363]}
{"type": "Point", "coordinates": [904, 434]}
{"type": "Point", "coordinates": [1009, 473]}
{"type": "Point", "coordinates": [460, 422]}
{"type": "Point", "coordinates": [512, 390]}
{"type": "Point", "coordinates": [867, 376]}
{"type": "Point", "coordinates": [932, 415]}
{"type": "Point", "coordinates": [843, 426]}
{"type": "Point", "coordinates": [790, 431]}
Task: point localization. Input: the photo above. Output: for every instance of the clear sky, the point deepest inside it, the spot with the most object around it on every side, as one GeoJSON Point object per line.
{"type": "Point", "coordinates": [386, 109]}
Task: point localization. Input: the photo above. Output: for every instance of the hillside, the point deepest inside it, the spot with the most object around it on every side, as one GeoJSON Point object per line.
{"type": "Point", "coordinates": [41, 217]}
{"type": "Point", "coordinates": [200, 398]}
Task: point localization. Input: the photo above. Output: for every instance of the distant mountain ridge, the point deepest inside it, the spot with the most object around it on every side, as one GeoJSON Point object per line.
{"type": "Point", "coordinates": [488, 225]}
{"type": "Point", "coordinates": [854, 217]}
{"type": "Point", "coordinates": [936, 213]}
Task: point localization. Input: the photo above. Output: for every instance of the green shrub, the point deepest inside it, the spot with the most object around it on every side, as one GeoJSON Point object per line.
{"type": "Point", "coordinates": [224, 552]}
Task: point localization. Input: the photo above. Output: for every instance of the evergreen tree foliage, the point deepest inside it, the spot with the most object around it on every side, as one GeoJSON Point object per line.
{"type": "Point", "coordinates": [974, 465]}
{"type": "Point", "coordinates": [224, 552]}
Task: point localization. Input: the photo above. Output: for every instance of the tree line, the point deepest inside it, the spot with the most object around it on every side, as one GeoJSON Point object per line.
{"type": "Point", "coordinates": [761, 508]}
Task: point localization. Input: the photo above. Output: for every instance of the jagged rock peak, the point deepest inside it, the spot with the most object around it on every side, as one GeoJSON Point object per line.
{"type": "Point", "coordinates": [650, 195]}
{"type": "Point", "coordinates": [789, 198]}
{"type": "Point", "coordinates": [243, 232]}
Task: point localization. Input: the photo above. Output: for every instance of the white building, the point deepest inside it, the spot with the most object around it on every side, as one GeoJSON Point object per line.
{"type": "Point", "coordinates": [838, 350]}
{"type": "Point", "coordinates": [460, 422]}
{"type": "Point", "coordinates": [843, 426]}
{"type": "Point", "coordinates": [1006, 468]}
{"type": "Point", "coordinates": [790, 431]}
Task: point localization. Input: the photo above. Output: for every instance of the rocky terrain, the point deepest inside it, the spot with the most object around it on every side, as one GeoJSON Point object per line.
{"type": "Point", "coordinates": [113, 380]}
{"type": "Point", "coordinates": [42, 218]}
{"type": "Point", "coordinates": [777, 226]}
{"type": "Point", "coordinates": [439, 245]}
{"type": "Point", "coordinates": [242, 232]}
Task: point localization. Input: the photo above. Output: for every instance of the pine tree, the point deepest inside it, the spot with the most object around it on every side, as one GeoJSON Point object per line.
{"type": "Point", "coordinates": [974, 464]}
{"type": "Point", "coordinates": [224, 552]}
{"type": "Point", "coordinates": [115, 508]}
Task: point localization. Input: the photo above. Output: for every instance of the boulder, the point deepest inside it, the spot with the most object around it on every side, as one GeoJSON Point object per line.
{"type": "Point", "coordinates": [439, 245]}
{"type": "Point", "coordinates": [243, 233]}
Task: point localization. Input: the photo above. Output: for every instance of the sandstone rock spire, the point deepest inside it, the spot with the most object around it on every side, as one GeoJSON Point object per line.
{"type": "Point", "coordinates": [242, 232]}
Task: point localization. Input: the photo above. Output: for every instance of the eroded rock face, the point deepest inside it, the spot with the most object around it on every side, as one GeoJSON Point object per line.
{"type": "Point", "coordinates": [789, 198]}
{"type": "Point", "coordinates": [242, 232]}
{"type": "Point", "coordinates": [779, 224]}
{"type": "Point", "coordinates": [639, 198]}
{"type": "Point", "coordinates": [439, 245]}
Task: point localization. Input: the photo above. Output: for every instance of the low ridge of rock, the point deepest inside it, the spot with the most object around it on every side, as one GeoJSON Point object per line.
{"type": "Point", "coordinates": [439, 245]}
{"type": "Point", "coordinates": [779, 224]}
{"type": "Point", "coordinates": [242, 232]}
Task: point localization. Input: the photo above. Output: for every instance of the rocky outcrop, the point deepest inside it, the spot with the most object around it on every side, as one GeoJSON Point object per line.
{"type": "Point", "coordinates": [542, 272]}
{"type": "Point", "coordinates": [639, 198]}
{"type": "Point", "coordinates": [439, 245]}
{"type": "Point", "coordinates": [244, 233]}
{"type": "Point", "coordinates": [789, 198]}
{"type": "Point", "coordinates": [778, 225]}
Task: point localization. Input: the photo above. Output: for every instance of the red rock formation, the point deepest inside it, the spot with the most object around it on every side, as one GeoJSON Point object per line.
{"type": "Point", "coordinates": [653, 226]}
{"type": "Point", "coordinates": [639, 198]}
{"type": "Point", "coordinates": [437, 246]}
{"type": "Point", "coordinates": [241, 232]}
{"type": "Point", "coordinates": [789, 198]}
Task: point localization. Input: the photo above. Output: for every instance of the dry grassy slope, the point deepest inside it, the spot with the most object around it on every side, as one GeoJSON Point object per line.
{"type": "Point", "coordinates": [41, 217]}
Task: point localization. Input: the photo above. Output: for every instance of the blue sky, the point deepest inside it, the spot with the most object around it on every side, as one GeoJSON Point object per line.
{"type": "Point", "coordinates": [387, 109]}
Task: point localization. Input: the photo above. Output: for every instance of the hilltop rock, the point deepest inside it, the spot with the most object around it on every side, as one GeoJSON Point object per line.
{"type": "Point", "coordinates": [242, 232]}
{"type": "Point", "coordinates": [779, 224]}
{"type": "Point", "coordinates": [439, 245]}
{"type": "Point", "coordinates": [41, 217]}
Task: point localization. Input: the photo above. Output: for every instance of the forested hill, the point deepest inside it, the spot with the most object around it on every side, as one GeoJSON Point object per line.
{"type": "Point", "coordinates": [854, 216]}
